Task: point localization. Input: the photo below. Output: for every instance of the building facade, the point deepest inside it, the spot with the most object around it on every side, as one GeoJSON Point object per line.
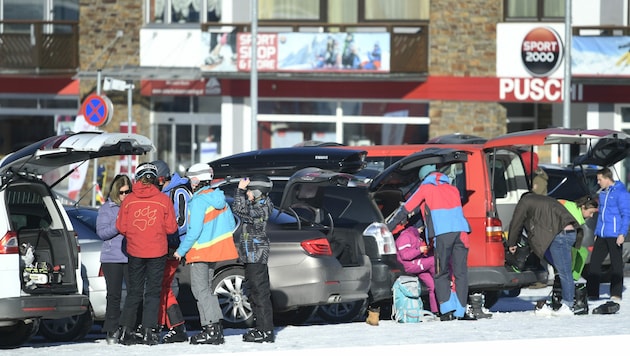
{"type": "Point", "coordinates": [348, 71]}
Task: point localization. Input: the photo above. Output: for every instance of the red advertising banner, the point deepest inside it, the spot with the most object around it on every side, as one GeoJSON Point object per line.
{"type": "Point", "coordinates": [266, 51]}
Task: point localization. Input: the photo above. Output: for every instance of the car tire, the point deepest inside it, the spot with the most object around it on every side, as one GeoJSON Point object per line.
{"type": "Point", "coordinates": [67, 329]}
{"type": "Point", "coordinates": [18, 334]}
{"type": "Point", "coordinates": [341, 312]}
{"type": "Point", "coordinates": [229, 286]}
{"type": "Point", "coordinates": [298, 316]}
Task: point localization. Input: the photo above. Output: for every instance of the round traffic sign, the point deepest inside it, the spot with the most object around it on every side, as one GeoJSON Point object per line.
{"type": "Point", "coordinates": [97, 109]}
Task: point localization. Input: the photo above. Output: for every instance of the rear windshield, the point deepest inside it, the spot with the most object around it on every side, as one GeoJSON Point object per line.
{"type": "Point", "coordinates": [29, 207]}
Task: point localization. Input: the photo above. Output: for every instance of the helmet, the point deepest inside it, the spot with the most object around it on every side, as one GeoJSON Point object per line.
{"type": "Point", "coordinates": [146, 169]}
{"type": "Point", "coordinates": [259, 184]}
{"type": "Point", "coordinates": [162, 168]}
{"type": "Point", "coordinates": [200, 171]}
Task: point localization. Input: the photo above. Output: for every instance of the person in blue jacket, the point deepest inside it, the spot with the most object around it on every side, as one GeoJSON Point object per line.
{"type": "Point", "coordinates": [440, 205]}
{"type": "Point", "coordinates": [208, 240]}
{"type": "Point", "coordinates": [612, 226]}
{"type": "Point", "coordinates": [170, 314]}
{"type": "Point", "coordinates": [113, 256]}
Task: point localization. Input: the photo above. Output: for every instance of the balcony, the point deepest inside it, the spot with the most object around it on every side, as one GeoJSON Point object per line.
{"type": "Point", "coordinates": [43, 47]}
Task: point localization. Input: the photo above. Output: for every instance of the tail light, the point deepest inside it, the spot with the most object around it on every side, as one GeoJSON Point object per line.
{"type": "Point", "coordinates": [494, 230]}
{"type": "Point", "coordinates": [383, 237]}
{"type": "Point", "coordinates": [9, 243]}
{"type": "Point", "coordinates": [317, 247]}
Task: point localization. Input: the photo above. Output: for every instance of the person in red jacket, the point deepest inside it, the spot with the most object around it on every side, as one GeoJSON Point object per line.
{"type": "Point", "coordinates": [145, 217]}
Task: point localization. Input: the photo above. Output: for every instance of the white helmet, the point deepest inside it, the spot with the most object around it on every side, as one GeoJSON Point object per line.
{"type": "Point", "coordinates": [200, 171]}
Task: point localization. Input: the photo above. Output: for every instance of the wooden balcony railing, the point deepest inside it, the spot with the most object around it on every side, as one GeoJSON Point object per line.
{"type": "Point", "coordinates": [409, 41]}
{"type": "Point", "coordinates": [39, 45]}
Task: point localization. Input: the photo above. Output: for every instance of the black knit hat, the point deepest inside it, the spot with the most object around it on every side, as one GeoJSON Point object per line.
{"type": "Point", "coordinates": [162, 168]}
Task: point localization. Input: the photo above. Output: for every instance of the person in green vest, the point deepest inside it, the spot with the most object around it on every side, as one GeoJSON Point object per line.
{"type": "Point", "coordinates": [581, 209]}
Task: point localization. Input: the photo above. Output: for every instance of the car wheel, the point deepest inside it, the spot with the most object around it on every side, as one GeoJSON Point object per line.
{"type": "Point", "coordinates": [298, 316]}
{"type": "Point", "coordinates": [340, 312]}
{"type": "Point", "coordinates": [67, 329]}
{"type": "Point", "coordinates": [229, 286]}
{"type": "Point", "coordinates": [18, 334]}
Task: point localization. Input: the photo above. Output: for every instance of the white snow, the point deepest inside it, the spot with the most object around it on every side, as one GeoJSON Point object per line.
{"type": "Point", "coordinates": [513, 330]}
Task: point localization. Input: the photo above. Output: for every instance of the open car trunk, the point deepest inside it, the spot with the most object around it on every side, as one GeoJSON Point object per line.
{"type": "Point", "coordinates": [314, 194]}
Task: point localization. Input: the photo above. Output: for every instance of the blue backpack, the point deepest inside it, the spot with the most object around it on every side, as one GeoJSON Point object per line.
{"type": "Point", "coordinates": [407, 306]}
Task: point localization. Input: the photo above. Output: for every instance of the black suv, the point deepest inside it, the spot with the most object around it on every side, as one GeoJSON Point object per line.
{"type": "Point", "coordinates": [317, 183]}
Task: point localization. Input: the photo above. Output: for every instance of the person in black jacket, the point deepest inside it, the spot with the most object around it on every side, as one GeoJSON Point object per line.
{"type": "Point", "coordinates": [551, 231]}
{"type": "Point", "coordinates": [253, 206]}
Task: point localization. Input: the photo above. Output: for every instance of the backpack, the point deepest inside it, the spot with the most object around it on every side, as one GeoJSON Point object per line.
{"type": "Point", "coordinates": [407, 306]}
{"type": "Point", "coordinates": [180, 195]}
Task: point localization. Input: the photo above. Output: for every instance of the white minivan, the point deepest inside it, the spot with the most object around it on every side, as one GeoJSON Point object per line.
{"type": "Point", "coordinates": [40, 264]}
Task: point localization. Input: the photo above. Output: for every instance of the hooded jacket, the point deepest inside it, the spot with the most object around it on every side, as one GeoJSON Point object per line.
{"type": "Point", "coordinates": [408, 252]}
{"type": "Point", "coordinates": [146, 216]}
{"type": "Point", "coordinates": [543, 217]}
{"type": "Point", "coordinates": [210, 226]}
{"type": "Point", "coordinates": [112, 250]}
{"type": "Point", "coordinates": [440, 204]}
{"type": "Point", "coordinates": [254, 243]}
{"type": "Point", "coordinates": [614, 211]}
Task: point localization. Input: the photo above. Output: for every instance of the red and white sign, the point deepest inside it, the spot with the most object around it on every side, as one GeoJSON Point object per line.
{"type": "Point", "coordinates": [266, 51]}
{"type": "Point", "coordinates": [530, 89]}
{"type": "Point", "coordinates": [526, 50]}
{"type": "Point", "coordinates": [541, 51]}
{"type": "Point", "coordinates": [180, 87]}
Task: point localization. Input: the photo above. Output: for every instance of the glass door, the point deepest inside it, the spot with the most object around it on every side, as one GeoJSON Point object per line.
{"type": "Point", "coordinates": [182, 141]}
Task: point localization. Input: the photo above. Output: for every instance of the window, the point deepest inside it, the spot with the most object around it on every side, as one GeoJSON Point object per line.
{"type": "Point", "coordinates": [38, 10]}
{"type": "Point", "coordinates": [386, 10]}
{"type": "Point", "coordinates": [286, 123]}
{"type": "Point", "coordinates": [537, 10]}
{"type": "Point", "coordinates": [183, 11]}
{"type": "Point", "coordinates": [289, 10]}
{"type": "Point", "coordinates": [343, 11]}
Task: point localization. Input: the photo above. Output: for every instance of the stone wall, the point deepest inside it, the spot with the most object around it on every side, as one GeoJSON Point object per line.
{"type": "Point", "coordinates": [102, 48]}
{"type": "Point", "coordinates": [463, 43]}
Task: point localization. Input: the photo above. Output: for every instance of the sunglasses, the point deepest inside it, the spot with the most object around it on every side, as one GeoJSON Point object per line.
{"type": "Point", "coordinates": [125, 192]}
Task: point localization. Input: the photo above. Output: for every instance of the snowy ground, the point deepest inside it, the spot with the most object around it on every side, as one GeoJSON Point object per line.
{"type": "Point", "coordinates": [513, 330]}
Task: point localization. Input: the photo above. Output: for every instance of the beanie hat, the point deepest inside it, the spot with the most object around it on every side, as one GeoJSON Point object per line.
{"type": "Point", "coordinates": [419, 223]}
{"type": "Point", "coordinates": [200, 172]}
{"type": "Point", "coordinates": [162, 168]}
{"type": "Point", "coordinates": [426, 170]}
{"type": "Point", "coordinates": [146, 169]}
{"type": "Point", "coordinates": [530, 160]}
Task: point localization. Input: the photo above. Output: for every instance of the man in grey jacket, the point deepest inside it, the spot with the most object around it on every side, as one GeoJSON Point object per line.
{"type": "Point", "coordinates": [551, 231]}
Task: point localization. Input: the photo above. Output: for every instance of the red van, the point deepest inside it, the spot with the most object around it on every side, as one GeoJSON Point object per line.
{"type": "Point", "coordinates": [491, 182]}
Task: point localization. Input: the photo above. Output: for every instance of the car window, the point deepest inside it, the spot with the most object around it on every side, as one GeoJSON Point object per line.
{"type": "Point", "coordinates": [27, 208]}
{"type": "Point", "coordinates": [571, 184]}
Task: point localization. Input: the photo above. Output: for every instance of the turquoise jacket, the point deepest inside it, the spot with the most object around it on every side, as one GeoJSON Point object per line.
{"type": "Point", "coordinates": [210, 226]}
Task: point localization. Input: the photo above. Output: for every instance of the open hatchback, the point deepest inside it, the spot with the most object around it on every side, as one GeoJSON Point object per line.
{"type": "Point", "coordinates": [39, 255]}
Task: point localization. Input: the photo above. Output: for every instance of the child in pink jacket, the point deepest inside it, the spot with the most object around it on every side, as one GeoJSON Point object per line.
{"type": "Point", "coordinates": [416, 256]}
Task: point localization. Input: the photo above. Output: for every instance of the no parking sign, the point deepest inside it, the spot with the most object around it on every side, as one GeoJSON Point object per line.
{"type": "Point", "coordinates": [97, 110]}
